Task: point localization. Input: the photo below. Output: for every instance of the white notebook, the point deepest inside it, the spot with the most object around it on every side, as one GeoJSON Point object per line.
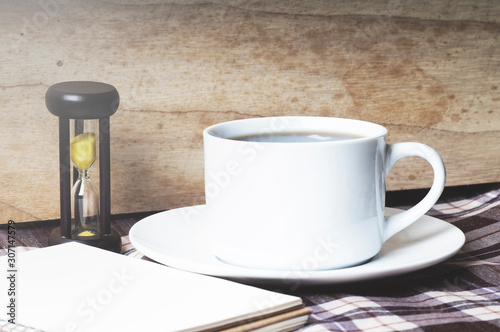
{"type": "Point", "coordinates": [74, 287]}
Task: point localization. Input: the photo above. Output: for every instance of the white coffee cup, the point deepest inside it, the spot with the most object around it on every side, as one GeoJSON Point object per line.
{"type": "Point", "coordinates": [309, 205]}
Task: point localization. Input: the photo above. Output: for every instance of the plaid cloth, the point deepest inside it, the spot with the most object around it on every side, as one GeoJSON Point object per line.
{"type": "Point", "coordinates": [460, 294]}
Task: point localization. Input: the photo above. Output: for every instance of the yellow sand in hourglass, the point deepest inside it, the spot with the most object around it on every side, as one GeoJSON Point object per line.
{"type": "Point", "coordinates": [86, 233]}
{"type": "Point", "coordinates": [83, 154]}
{"type": "Point", "coordinates": [82, 149]}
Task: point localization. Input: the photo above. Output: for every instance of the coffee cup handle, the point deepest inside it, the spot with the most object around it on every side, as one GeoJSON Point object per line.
{"type": "Point", "coordinates": [398, 151]}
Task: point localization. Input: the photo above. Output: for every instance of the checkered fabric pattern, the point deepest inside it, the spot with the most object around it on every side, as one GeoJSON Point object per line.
{"type": "Point", "coordinates": [460, 294]}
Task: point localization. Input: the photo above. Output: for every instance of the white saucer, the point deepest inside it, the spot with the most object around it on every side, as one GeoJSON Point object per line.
{"type": "Point", "coordinates": [178, 238]}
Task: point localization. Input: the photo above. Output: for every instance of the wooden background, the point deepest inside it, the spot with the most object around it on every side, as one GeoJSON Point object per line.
{"type": "Point", "coordinates": [427, 70]}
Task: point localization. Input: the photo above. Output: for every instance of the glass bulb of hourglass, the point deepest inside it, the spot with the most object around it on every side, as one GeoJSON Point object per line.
{"type": "Point", "coordinates": [85, 199]}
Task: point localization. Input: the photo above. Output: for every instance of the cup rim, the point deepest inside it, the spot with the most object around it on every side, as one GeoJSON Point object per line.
{"type": "Point", "coordinates": [228, 130]}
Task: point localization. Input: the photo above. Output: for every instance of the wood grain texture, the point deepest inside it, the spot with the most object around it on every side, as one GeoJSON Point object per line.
{"type": "Point", "coordinates": [427, 70]}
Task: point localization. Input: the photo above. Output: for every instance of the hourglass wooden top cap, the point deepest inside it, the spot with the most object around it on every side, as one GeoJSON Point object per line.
{"type": "Point", "coordinates": [82, 100]}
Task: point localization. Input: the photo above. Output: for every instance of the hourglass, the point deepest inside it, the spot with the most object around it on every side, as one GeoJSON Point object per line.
{"type": "Point", "coordinates": [84, 109]}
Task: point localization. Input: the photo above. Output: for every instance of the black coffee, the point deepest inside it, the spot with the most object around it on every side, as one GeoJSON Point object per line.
{"type": "Point", "coordinates": [295, 137]}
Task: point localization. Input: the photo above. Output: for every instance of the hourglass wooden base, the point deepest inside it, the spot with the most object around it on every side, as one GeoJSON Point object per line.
{"type": "Point", "coordinates": [111, 242]}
